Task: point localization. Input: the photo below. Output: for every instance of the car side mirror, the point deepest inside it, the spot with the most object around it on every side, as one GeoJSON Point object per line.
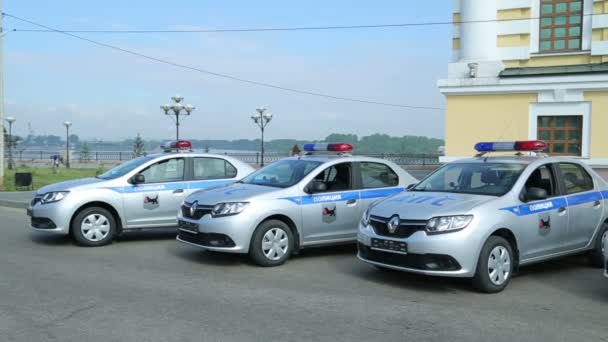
{"type": "Point", "coordinates": [138, 179]}
{"type": "Point", "coordinates": [316, 186]}
{"type": "Point", "coordinates": [410, 187]}
{"type": "Point", "coordinates": [536, 194]}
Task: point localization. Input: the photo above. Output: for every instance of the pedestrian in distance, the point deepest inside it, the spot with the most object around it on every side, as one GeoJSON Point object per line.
{"type": "Point", "coordinates": [295, 150]}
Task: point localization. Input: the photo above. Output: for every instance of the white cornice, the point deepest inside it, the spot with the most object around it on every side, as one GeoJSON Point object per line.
{"type": "Point", "coordinates": [494, 85]}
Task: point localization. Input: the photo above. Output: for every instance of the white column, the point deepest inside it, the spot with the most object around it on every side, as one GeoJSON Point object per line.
{"type": "Point", "coordinates": [478, 40]}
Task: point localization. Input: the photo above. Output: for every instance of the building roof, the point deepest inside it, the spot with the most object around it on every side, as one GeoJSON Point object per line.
{"type": "Point", "coordinates": [555, 70]}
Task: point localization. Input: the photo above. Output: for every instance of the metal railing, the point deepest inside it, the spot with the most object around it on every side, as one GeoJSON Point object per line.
{"type": "Point", "coordinates": [248, 157]}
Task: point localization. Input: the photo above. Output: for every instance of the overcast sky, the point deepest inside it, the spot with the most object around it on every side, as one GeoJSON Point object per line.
{"type": "Point", "coordinates": [107, 94]}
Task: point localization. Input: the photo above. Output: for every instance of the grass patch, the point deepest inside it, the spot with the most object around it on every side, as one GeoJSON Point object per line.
{"type": "Point", "coordinates": [46, 176]}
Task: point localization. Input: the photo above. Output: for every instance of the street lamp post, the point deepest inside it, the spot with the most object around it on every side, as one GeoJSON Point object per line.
{"type": "Point", "coordinates": [11, 141]}
{"type": "Point", "coordinates": [67, 125]}
{"type": "Point", "coordinates": [177, 108]}
{"type": "Point", "coordinates": [262, 118]}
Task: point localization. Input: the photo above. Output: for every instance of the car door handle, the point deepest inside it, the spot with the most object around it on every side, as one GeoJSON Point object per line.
{"type": "Point", "coordinates": [597, 204]}
{"type": "Point", "coordinates": [178, 191]}
{"type": "Point", "coordinates": [561, 210]}
{"type": "Point", "coordinates": [351, 202]}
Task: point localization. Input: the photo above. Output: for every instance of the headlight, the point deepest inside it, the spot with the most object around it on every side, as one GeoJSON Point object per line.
{"type": "Point", "coordinates": [447, 224]}
{"type": "Point", "coordinates": [227, 209]}
{"type": "Point", "coordinates": [365, 218]}
{"type": "Point", "coordinates": [54, 196]}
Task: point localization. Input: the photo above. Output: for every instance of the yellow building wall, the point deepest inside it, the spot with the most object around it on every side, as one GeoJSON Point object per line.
{"type": "Point", "coordinates": [599, 123]}
{"type": "Point", "coordinates": [474, 118]}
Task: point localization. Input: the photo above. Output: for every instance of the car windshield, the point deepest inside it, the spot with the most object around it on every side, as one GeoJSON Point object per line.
{"type": "Point", "coordinates": [490, 179]}
{"type": "Point", "coordinates": [282, 174]}
{"type": "Point", "coordinates": [124, 168]}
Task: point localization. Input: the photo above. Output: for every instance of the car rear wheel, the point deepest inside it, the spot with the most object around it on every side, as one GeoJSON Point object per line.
{"type": "Point", "coordinates": [93, 227]}
{"type": "Point", "coordinates": [596, 256]}
{"type": "Point", "coordinates": [495, 266]}
{"type": "Point", "coordinates": [271, 244]}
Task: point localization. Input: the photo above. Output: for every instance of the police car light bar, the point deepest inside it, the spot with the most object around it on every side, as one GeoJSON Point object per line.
{"type": "Point", "coordinates": [519, 146]}
{"type": "Point", "coordinates": [180, 145]}
{"type": "Point", "coordinates": [328, 147]}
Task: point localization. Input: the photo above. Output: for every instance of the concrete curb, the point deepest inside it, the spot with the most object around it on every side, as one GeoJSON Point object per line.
{"type": "Point", "coordinates": [13, 204]}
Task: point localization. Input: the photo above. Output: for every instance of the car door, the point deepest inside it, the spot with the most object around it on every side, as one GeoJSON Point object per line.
{"type": "Point", "coordinates": [332, 214]}
{"type": "Point", "coordinates": [156, 201]}
{"type": "Point", "coordinates": [585, 204]}
{"type": "Point", "coordinates": [542, 224]}
{"type": "Point", "coordinates": [209, 172]}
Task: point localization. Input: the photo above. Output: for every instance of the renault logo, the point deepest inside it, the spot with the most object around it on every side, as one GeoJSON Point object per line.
{"type": "Point", "coordinates": [393, 224]}
{"type": "Point", "coordinates": [193, 208]}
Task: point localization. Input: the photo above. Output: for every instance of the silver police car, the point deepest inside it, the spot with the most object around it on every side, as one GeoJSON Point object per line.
{"type": "Point", "coordinates": [294, 203]}
{"type": "Point", "coordinates": [484, 217]}
{"type": "Point", "coordinates": [142, 193]}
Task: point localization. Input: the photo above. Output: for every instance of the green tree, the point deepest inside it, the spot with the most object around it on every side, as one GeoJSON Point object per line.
{"type": "Point", "coordinates": [139, 147]}
{"type": "Point", "coordinates": [85, 153]}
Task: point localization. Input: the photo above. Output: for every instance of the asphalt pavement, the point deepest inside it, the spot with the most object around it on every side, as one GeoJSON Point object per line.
{"type": "Point", "coordinates": [148, 287]}
{"type": "Point", "coordinates": [16, 199]}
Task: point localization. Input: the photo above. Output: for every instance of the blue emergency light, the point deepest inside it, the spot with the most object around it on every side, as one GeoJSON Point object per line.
{"type": "Point", "coordinates": [328, 147]}
{"type": "Point", "coordinates": [520, 146]}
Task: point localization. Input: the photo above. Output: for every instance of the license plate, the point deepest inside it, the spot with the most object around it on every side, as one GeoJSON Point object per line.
{"type": "Point", "coordinates": [191, 227]}
{"type": "Point", "coordinates": [389, 246]}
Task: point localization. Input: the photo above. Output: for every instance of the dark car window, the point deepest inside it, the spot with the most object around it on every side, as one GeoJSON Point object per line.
{"type": "Point", "coordinates": [125, 168]}
{"type": "Point", "coordinates": [576, 178]}
{"type": "Point", "coordinates": [377, 175]}
{"type": "Point", "coordinates": [491, 179]}
{"type": "Point", "coordinates": [212, 168]}
{"type": "Point", "coordinates": [169, 170]}
{"type": "Point", "coordinates": [282, 174]}
{"type": "Point", "coordinates": [543, 178]}
{"type": "Point", "coordinates": [337, 177]}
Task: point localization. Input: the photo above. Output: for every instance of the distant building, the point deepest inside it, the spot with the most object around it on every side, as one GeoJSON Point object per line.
{"type": "Point", "coordinates": [539, 72]}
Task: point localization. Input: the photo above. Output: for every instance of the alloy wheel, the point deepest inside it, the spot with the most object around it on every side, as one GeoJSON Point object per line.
{"type": "Point", "coordinates": [275, 244]}
{"type": "Point", "coordinates": [499, 265]}
{"type": "Point", "coordinates": [95, 227]}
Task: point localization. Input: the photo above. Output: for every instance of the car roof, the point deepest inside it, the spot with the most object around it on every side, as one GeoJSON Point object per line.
{"type": "Point", "coordinates": [324, 158]}
{"type": "Point", "coordinates": [519, 159]}
{"type": "Point", "coordinates": [188, 154]}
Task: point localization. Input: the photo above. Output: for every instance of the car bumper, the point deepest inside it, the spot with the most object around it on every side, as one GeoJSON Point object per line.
{"type": "Point", "coordinates": [450, 255]}
{"type": "Point", "coordinates": [231, 234]}
{"type": "Point", "coordinates": [50, 218]}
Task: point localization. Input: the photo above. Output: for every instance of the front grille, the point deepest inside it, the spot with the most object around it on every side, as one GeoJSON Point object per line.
{"type": "Point", "coordinates": [206, 239]}
{"type": "Point", "coordinates": [198, 213]}
{"type": "Point", "coordinates": [405, 230]}
{"type": "Point", "coordinates": [427, 262]}
{"type": "Point", "coordinates": [42, 223]}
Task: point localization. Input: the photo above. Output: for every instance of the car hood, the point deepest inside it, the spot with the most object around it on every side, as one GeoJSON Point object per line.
{"type": "Point", "coordinates": [69, 185]}
{"type": "Point", "coordinates": [425, 205]}
{"type": "Point", "coordinates": [235, 192]}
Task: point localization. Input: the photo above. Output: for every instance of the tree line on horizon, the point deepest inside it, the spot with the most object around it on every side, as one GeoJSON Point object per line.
{"type": "Point", "coordinates": [371, 144]}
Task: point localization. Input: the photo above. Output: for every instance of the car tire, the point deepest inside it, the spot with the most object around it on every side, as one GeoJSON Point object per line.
{"type": "Point", "coordinates": [272, 243]}
{"type": "Point", "coordinates": [596, 255]}
{"type": "Point", "coordinates": [93, 227]}
{"type": "Point", "coordinates": [495, 266]}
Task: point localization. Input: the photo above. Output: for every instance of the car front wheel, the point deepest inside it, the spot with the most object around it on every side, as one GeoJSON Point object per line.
{"type": "Point", "coordinates": [271, 244]}
{"type": "Point", "coordinates": [596, 255]}
{"type": "Point", "coordinates": [93, 227]}
{"type": "Point", "coordinates": [495, 266]}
